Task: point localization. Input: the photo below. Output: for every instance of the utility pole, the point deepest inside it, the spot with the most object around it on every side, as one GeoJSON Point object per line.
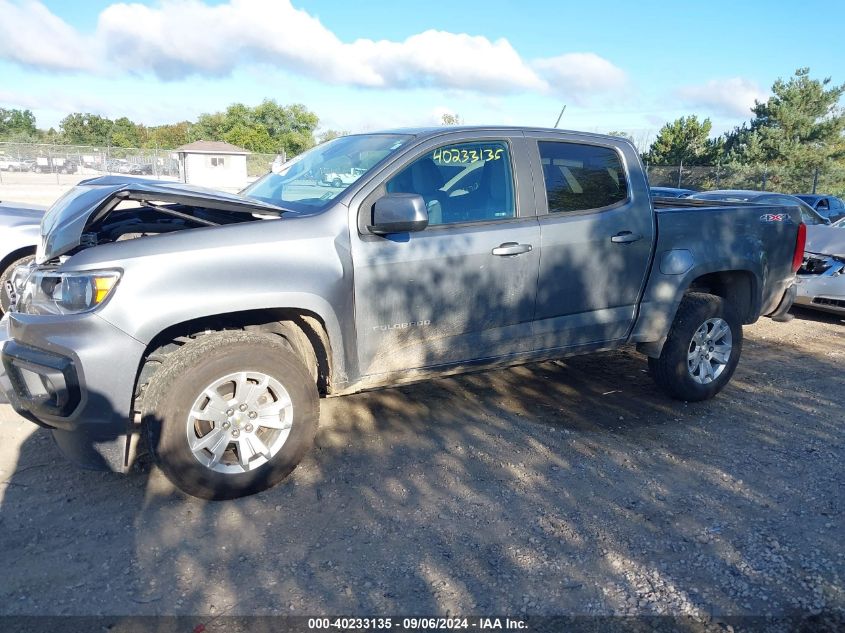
{"type": "Point", "coordinates": [559, 116]}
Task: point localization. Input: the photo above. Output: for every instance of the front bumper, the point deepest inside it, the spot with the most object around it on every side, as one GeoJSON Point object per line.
{"type": "Point", "coordinates": [827, 295]}
{"type": "Point", "coordinates": [824, 291]}
{"type": "Point", "coordinates": [76, 376]}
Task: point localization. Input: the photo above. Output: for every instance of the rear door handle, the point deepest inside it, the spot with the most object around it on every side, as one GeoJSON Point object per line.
{"type": "Point", "coordinates": [625, 237]}
{"type": "Point", "coordinates": [511, 248]}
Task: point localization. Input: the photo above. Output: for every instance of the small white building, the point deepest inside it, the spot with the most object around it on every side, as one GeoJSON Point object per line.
{"type": "Point", "coordinates": [213, 164]}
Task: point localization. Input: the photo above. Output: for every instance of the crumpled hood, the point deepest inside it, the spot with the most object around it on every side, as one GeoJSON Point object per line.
{"type": "Point", "coordinates": [91, 200]}
{"type": "Point", "coordinates": [825, 240]}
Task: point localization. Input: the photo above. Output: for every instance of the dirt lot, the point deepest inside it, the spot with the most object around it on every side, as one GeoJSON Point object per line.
{"type": "Point", "coordinates": [558, 488]}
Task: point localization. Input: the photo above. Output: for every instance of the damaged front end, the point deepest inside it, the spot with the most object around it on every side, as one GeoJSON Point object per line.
{"type": "Point", "coordinates": [109, 209]}
{"type": "Point", "coordinates": [112, 209]}
{"type": "Point", "coordinates": [63, 365]}
{"type": "Point", "coordinates": [821, 283]}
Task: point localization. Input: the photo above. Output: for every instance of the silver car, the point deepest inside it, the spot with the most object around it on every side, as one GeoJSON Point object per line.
{"type": "Point", "coordinates": [19, 235]}
{"type": "Point", "coordinates": [821, 279]}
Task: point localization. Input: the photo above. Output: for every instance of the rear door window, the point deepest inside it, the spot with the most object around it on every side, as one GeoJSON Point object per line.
{"type": "Point", "coordinates": [581, 177]}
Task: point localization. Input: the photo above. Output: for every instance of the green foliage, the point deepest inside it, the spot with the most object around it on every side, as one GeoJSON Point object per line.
{"type": "Point", "coordinates": [447, 118]}
{"type": "Point", "coordinates": [268, 127]}
{"type": "Point", "coordinates": [168, 136]}
{"type": "Point", "coordinates": [85, 129]}
{"type": "Point", "coordinates": [17, 125]}
{"type": "Point", "coordinates": [125, 133]}
{"type": "Point", "coordinates": [683, 141]}
{"type": "Point", "coordinates": [796, 132]}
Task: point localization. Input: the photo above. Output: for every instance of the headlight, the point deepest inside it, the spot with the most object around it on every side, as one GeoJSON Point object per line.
{"type": "Point", "coordinates": [49, 292]}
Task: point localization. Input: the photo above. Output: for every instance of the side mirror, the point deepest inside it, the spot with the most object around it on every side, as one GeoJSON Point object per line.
{"type": "Point", "coordinates": [399, 213]}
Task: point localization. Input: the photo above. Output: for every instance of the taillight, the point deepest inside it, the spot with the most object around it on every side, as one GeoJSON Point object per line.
{"type": "Point", "coordinates": [800, 242]}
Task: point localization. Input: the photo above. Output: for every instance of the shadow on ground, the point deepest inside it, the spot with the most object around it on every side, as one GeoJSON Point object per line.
{"type": "Point", "coordinates": [569, 487]}
{"type": "Point", "coordinates": [816, 315]}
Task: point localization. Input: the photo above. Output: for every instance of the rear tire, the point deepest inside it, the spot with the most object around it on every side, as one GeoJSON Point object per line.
{"type": "Point", "coordinates": [245, 450]}
{"type": "Point", "coordinates": [700, 355]}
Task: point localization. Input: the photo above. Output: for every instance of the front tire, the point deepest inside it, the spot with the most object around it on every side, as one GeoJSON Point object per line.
{"type": "Point", "coordinates": [701, 351]}
{"type": "Point", "coordinates": [5, 275]}
{"type": "Point", "coordinates": [230, 414]}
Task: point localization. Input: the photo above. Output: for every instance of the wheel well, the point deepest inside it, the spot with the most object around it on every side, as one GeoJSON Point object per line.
{"type": "Point", "coordinates": [15, 255]}
{"type": "Point", "coordinates": [303, 331]}
{"type": "Point", "coordinates": [737, 287]}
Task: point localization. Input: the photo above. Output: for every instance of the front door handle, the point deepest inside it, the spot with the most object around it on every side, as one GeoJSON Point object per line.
{"type": "Point", "coordinates": [511, 248]}
{"type": "Point", "coordinates": [625, 237]}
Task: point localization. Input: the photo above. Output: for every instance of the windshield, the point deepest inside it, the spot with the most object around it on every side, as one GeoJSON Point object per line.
{"type": "Point", "coordinates": [811, 216]}
{"type": "Point", "coordinates": [316, 177]}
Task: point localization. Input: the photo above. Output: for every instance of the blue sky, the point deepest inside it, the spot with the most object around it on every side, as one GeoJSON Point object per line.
{"type": "Point", "coordinates": [626, 66]}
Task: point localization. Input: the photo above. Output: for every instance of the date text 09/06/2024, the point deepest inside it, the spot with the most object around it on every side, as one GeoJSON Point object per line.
{"type": "Point", "coordinates": [415, 624]}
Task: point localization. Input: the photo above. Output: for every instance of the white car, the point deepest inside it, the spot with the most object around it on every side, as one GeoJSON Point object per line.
{"type": "Point", "coordinates": [338, 179]}
{"type": "Point", "coordinates": [11, 164]}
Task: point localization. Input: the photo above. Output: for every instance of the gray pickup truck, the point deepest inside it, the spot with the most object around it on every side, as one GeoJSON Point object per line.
{"type": "Point", "coordinates": [208, 325]}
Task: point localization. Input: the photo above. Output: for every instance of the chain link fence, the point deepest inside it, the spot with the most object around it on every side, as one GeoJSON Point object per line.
{"type": "Point", "coordinates": [50, 169]}
{"type": "Point", "coordinates": [68, 164]}
{"type": "Point", "coordinates": [829, 179]}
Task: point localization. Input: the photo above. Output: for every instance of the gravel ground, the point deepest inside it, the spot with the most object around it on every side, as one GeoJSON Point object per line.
{"type": "Point", "coordinates": [569, 487]}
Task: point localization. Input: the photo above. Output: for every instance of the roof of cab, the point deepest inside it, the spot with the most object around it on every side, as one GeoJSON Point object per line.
{"type": "Point", "coordinates": [446, 129]}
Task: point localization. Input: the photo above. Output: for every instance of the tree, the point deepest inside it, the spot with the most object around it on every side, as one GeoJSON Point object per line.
{"type": "Point", "coordinates": [795, 134]}
{"type": "Point", "coordinates": [449, 118]}
{"type": "Point", "coordinates": [17, 125]}
{"type": "Point", "coordinates": [640, 142]}
{"type": "Point", "coordinates": [265, 128]}
{"type": "Point", "coordinates": [684, 141]}
{"type": "Point", "coordinates": [268, 127]}
{"type": "Point", "coordinates": [125, 133]}
{"type": "Point", "coordinates": [86, 129]}
{"type": "Point", "coordinates": [168, 136]}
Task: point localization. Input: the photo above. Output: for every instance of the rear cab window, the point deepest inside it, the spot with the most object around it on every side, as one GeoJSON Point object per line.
{"type": "Point", "coordinates": [581, 177]}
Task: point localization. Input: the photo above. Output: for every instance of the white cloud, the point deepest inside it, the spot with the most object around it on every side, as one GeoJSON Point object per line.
{"type": "Point", "coordinates": [577, 75]}
{"type": "Point", "coordinates": [450, 60]}
{"type": "Point", "coordinates": [33, 36]}
{"type": "Point", "coordinates": [732, 97]}
{"type": "Point", "coordinates": [174, 39]}
{"type": "Point", "coordinates": [184, 37]}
